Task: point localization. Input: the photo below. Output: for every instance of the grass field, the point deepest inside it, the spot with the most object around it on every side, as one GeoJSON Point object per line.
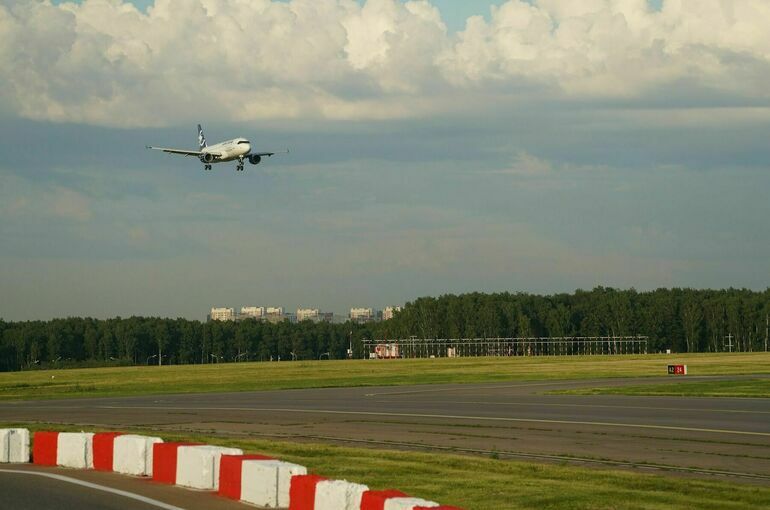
{"type": "Point", "coordinates": [123, 381]}
{"type": "Point", "coordinates": [477, 483]}
{"type": "Point", "coordinates": [745, 388]}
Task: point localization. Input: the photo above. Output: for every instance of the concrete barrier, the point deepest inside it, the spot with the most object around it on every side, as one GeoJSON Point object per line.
{"type": "Point", "coordinates": [263, 481]}
{"type": "Point", "coordinates": [231, 474]}
{"type": "Point", "coordinates": [312, 492]}
{"type": "Point", "coordinates": [44, 448]}
{"type": "Point", "coordinates": [14, 445]}
{"type": "Point", "coordinates": [75, 450]}
{"type": "Point", "coordinates": [339, 495]}
{"type": "Point", "coordinates": [408, 504]}
{"type": "Point", "coordinates": [302, 491]}
{"type": "Point", "coordinates": [164, 461]}
{"type": "Point", "coordinates": [104, 444]}
{"type": "Point", "coordinates": [133, 454]}
{"type": "Point", "coordinates": [267, 483]}
{"type": "Point", "coordinates": [375, 500]}
{"type": "Point", "coordinates": [198, 466]}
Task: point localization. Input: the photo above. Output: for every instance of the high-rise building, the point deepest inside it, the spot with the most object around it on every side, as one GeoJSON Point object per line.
{"type": "Point", "coordinates": [389, 312]}
{"type": "Point", "coordinates": [274, 310]}
{"type": "Point", "coordinates": [222, 314]}
{"type": "Point", "coordinates": [304, 314]}
{"type": "Point", "coordinates": [252, 312]}
{"type": "Point", "coordinates": [361, 314]}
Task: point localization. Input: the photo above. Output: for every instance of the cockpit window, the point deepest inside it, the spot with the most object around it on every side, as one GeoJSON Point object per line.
{"type": "Point", "coordinates": [243, 141]}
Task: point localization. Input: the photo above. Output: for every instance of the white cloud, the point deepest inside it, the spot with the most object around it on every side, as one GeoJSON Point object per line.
{"type": "Point", "coordinates": [105, 62]}
{"type": "Point", "coordinates": [69, 204]}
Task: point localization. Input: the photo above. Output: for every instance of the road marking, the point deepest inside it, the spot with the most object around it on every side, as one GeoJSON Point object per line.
{"type": "Point", "coordinates": [554, 404]}
{"type": "Point", "coordinates": [453, 417]}
{"type": "Point", "coordinates": [97, 487]}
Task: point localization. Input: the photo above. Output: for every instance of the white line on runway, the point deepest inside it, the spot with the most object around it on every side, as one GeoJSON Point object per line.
{"type": "Point", "coordinates": [608, 406]}
{"type": "Point", "coordinates": [450, 416]}
{"type": "Point", "coordinates": [94, 486]}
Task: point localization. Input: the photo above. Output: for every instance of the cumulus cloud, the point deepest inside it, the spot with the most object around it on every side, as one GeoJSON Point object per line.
{"type": "Point", "coordinates": [105, 62]}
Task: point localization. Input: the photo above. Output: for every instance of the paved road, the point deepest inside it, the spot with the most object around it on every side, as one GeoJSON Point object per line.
{"type": "Point", "coordinates": [507, 419]}
{"type": "Point", "coordinates": [35, 488]}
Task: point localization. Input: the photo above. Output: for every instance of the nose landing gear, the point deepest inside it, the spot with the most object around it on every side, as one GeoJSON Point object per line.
{"type": "Point", "coordinates": [239, 168]}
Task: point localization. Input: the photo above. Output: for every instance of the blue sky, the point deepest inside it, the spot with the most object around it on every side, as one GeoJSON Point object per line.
{"type": "Point", "coordinates": [544, 149]}
{"type": "Point", "coordinates": [454, 12]}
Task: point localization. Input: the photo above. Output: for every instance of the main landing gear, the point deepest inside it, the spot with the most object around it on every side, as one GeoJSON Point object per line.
{"type": "Point", "coordinates": [239, 168]}
{"type": "Point", "coordinates": [207, 167]}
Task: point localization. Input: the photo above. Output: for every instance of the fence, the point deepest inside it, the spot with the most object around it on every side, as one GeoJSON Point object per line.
{"type": "Point", "coordinates": [467, 347]}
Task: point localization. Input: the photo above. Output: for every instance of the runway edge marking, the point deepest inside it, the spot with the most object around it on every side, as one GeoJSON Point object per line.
{"type": "Point", "coordinates": [98, 487]}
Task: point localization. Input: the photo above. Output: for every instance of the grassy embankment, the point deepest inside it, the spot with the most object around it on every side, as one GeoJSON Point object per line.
{"type": "Point", "coordinates": [476, 483]}
{"type": "Point", "coordinates": [123, 381]}
{"type": "Point", "coordinates": [744, 388]}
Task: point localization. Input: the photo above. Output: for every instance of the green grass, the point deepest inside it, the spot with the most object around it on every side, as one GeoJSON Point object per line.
{"type": "Point", "coordinates": [124, 381]}
{"type": "Point", "coordinates": [476, 483]}
{"type": "Point", "coordinates": [755, 388]}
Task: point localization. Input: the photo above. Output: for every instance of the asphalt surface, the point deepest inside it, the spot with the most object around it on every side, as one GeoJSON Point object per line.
{"type": "Point", "coordinates": [716, 436]}
{"type": "Point", "coordinates": [26, 487]}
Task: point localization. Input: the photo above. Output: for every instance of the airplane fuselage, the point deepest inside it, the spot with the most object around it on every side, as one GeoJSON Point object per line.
{"type": "Point", "coordinates": [228, 151]}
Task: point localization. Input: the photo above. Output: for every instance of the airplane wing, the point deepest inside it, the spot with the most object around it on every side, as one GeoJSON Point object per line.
{"type": "Point", "coordinates": [268, 154]}
{"type": "Point", "coordinates": [182, 151]}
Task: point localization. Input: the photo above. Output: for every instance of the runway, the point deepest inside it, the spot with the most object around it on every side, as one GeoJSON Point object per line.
{"type": "Point", "coordinates": [45, 488]}
{"type": "Point", "coordinates": [700, 436]}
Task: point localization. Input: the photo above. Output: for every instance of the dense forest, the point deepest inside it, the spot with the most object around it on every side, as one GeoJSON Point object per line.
{"type": "Point", "coordinates": [684, 320]}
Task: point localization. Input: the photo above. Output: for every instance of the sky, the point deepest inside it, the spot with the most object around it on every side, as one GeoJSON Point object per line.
{"type": "Point", "coordinates": [436, 147]}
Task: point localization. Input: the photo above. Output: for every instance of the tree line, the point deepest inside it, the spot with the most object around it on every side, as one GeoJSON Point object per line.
{"type": "Point", "coordinates": [684, 320]}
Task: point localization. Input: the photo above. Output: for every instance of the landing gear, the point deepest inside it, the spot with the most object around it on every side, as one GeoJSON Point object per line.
{"type": "Point", "coordinates": [239, 168]}
{"type": "Point", "coordinates": [207, 167]}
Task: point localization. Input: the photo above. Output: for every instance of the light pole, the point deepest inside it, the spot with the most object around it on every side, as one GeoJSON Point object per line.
{"type": "Point", "coordinates": [328, 356]}
{"type": "Point", "coordinates": [293, 356]}
{"type": "Point", "coordinates": [216, 358]}
{"type": "Point", "coordinates": [242, 354]}
{"type": "Point", "coordinates": [149, 358]}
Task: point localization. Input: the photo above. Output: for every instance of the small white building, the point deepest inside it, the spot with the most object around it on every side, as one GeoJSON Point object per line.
{"type": "Point", "coordinates": [274, 311]}
{"type": "Point", "coordinates": [222, 314]}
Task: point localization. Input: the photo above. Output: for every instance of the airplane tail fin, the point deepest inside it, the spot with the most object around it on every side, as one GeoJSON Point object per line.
{"type": "Point", "coordinates": [201, 138]}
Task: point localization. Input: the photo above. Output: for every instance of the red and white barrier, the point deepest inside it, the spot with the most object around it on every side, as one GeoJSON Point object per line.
{"type": "Point", "coordinates": [302, 491]}
{"type": "Point", "coordinates": [104, 450]}
{"type": "Point", "coordinates": [75, 450]}
{"type": "Point", "coordinates": [311, 492]}
{"type": "Point", "coordinates": [339, 495]}
{"type": "Point", "coordinates": [44, 447]}
{"type": "Point", "coordinates": [408, 504]}
{"type": "Point", "coordinates": [375, 500]}
{"type": "Point", "coordinates": [14, 445]}
{"type": "Point", "coordinates": [263, 481]}
{"type": "Point", "coordinates": [266, 483]}
{"type": "Point", "coordinates": [198, 466]}
{"type": "Point", "coordinates": [164, 461]}
{"type": "Point", "coordinates": [231, 474]}
{"type": "Point", "coordinates": [133, 454]}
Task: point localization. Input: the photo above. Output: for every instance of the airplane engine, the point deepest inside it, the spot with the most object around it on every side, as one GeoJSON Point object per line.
{"type": "Point", "coordinates": [207, 158]}
{"type": "Point", "coordinates": [254, 159]}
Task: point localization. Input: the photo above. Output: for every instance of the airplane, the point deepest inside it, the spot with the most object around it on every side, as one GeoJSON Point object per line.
{"type": "Point", "coordinates": [230, 150]}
